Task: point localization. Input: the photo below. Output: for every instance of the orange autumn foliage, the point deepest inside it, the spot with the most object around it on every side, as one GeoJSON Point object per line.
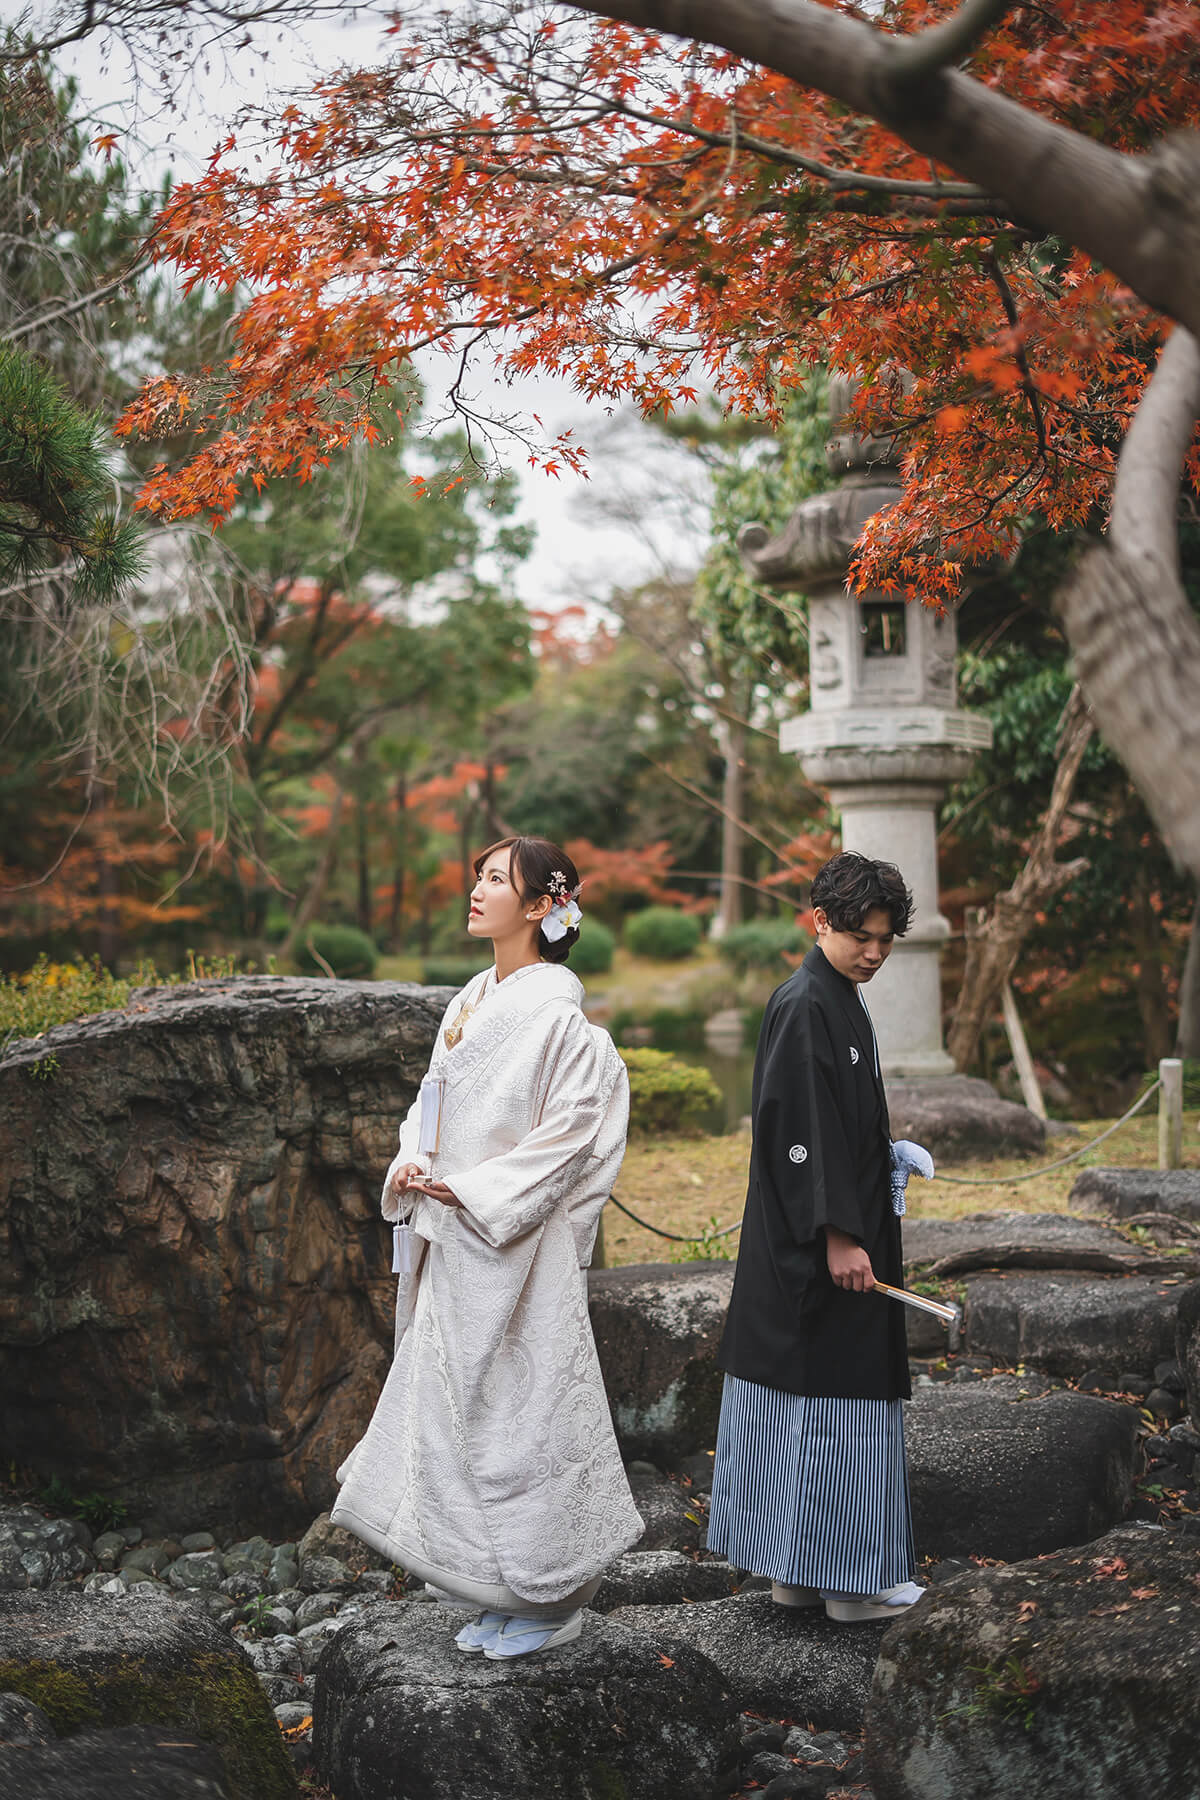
{"type": "Point", "coordinates": [647, 217]}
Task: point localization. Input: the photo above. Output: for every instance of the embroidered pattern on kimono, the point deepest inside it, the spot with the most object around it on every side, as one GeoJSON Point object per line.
{"type": "Point", "coordinates": [491, 1453]}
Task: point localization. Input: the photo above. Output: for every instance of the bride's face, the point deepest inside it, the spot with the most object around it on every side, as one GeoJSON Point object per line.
{"type": "Point", "coordinates": [497, 907]}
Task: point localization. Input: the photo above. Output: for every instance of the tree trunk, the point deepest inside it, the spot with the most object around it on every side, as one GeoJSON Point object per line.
{"type": "Point", "coordinates": [1188, 1041]}
{"type": "Point", "coordinates": [1151, 988]}
{"type": "Point", "coordinates": [314, 899]}
{"type": "Point", "coordinates": [994, 944]}
{"type": "Point", "coordinates": [396, 912]}
{"type": "Point", "coordinates": [1134, 638]}
{"type": "Point", "coordinates": [733, 748]}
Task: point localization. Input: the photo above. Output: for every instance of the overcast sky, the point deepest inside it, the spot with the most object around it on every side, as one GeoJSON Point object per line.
{"type": "Point", "coordinates": [581, 551]}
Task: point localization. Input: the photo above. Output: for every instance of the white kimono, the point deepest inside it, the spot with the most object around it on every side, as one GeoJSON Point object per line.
{"type": "Point", "coordinates": [490, 1466]}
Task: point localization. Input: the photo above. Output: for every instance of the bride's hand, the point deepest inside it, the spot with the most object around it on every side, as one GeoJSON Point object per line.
{"type": "Point", "coordinates": [437, 1190]}
{"type": "Point", "coordinates": [403, 1178]}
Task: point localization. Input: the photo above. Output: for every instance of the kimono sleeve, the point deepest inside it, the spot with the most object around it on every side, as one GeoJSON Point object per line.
{"type": "Point", "coordinates": [511, 1193]}
{"type": "Point", "coordinates": [410, 1131]}
{"type": "Point", "coordinates": [804, 1156]}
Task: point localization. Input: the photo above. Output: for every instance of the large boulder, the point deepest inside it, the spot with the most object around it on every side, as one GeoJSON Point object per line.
{"type": "Point", "coordinates": [135, 1762]}
{"type": "Point", "coordinates": [776, 1660]}
{"type": "Point", "coordinates": [1187, 1346]}
{"type": "Point", "coordinates": [400, 1714]}
{"type": "Point", "coordinates": [998, 1469]}
{"type": "Point", "coordinates": [1124, 1192]}
{"type": "Point", "coordinates": [1076, 1674]}
{"type": "Point", "coordinates": [1068, 1324]}
{"type": "Point", "coordinates": [958, 1117]}
{"type": "Point", "coordinates": [657, 1328]}
{"type": "Point", "coordinates": [195, 1304]}
{"type": "Point", "coordinates": [100, 1661]}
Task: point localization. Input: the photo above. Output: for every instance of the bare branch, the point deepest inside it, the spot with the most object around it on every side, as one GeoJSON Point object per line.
{"type": "Point", "coordinates": [80, 304]}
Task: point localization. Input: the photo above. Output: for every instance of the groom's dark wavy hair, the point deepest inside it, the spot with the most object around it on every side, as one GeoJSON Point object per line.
{"type": "Point", "coordinates": [850, 886]}
{"type": "Point", "coordinates": [531, 863]}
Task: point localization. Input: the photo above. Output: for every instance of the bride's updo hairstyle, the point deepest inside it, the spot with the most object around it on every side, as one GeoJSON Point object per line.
{"type": "Point", "coordinates": [539, 867]}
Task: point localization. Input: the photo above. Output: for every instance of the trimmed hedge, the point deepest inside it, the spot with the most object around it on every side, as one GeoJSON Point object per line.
{"type": "Point", "coordinates": [450, 971]}
{"type": "Point", "coordinates": [593, 954]}
{"type": "Point", "coordinates": [762, 945]}
{"type": "Point", "coordinates": [666, 1095]}
{"type": "Point", "coordinates": [348, 952]}
{"type": "Point", "coordinates": [662, 933]}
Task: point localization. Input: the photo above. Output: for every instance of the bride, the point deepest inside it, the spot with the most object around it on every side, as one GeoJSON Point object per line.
{"type": "Point", "coordinates": [490, 1467]}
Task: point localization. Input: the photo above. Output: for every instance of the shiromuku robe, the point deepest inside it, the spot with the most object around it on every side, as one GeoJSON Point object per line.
{"type": "Point", "coordinates": [491, 1459]}
{"type": "Point", "coordinates": [820, 1156]}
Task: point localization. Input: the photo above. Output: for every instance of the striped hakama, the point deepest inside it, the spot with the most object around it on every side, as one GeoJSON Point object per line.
{"type": "Point", "coordinates": [811, 1491]}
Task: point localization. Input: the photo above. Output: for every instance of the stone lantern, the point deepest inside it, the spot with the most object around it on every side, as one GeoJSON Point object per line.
{"type": "Point", "coordinates": [884, 733]}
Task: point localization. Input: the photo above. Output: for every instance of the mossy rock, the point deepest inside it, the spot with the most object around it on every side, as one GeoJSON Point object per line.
{"type": "Point", "coordinates": [142, 1659]}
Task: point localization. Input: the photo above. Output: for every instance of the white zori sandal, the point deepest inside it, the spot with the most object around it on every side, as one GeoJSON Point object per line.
{"type": "Point", "coordinates": [784, 1595]}
{"type": "Point", "coordinates": [478, 1636]}
{"type": "Point", "coordinates": [525, 1637]}
{"type": "Point", "coordinates": [853, 1609]}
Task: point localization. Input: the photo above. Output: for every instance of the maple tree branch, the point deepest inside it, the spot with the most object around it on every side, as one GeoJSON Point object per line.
{"type": "Point", "coordinates": [1138, 215]}
{"type": "Point", "coordinates": [838, 179]}
{"type": "Point", "coordinates": [1028, 386]}
{"type": "Point", "coordinates": [916, 60]}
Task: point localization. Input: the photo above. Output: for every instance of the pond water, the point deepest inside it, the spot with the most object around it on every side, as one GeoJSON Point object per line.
{"type": "Point", "coordinates": [733, 1073]}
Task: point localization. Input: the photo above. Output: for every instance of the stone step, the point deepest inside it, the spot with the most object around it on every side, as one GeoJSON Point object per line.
{"type": "Point", "coordinates": [1069, 1324]}
{"type": "Point", "coordinates": [1007, 1467]}
{"type": "Point", "coordinates": [401, 1714]}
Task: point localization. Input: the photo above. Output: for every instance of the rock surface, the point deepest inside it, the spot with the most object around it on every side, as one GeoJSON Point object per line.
{"type": "Point", "coordinates": [136, 1762]}
{"type": "Point", "coordinates": [995, 1474]}
{"type": "Point", "coordinates": [657, 1328]}
{"type": "Point", "coordinates": [1124, 1192]}
{"type": "Point", "coordinates": [1069, 1323]}
{"type": "Point", "coordinates": [618, 1715]}
{"type": "Point", "coordinates": [978, 1236]}
{"type": "Point", "coordinates": [662, 1578]}
{"type": "Point", "coordinates": [775, 1660]}
{"type": "Point", "coordinates": [1187, 1346]}
{"type": "Point", "coordinates": [107, 1661]}
{"type": "Point", "coordinates": [1073, 1675]}
{"type": "Point", "coordinates": [959, 1117]}
{"type": "Point", "coordinates": [193, 1196]}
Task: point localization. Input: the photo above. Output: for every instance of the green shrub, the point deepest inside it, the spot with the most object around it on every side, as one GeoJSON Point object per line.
{"type": "Point", "coordinates": [450, 971]}
{"type": "Point", "coordinates": [348, 952]}
{"type": "Point", "coordinates": [662, 933]}
{"type": "Point", "coordinates": [762, 945]}
{"type": "Point", "coordinates": [54, 993]}
{"type": "Point", "coordinates": [593, 954]}
{"type": "Point", "coordinates": [667, 1096]}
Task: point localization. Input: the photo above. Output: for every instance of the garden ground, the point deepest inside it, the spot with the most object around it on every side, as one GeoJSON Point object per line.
{"type": "Point", "coordinates": [685, 1184]}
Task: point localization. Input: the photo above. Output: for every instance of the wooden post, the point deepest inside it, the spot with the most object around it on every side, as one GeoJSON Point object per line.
{"type": "Point", "coordinates": [1031, 1093]}
{"type": "Point", "coordinates": [1170, 1113]}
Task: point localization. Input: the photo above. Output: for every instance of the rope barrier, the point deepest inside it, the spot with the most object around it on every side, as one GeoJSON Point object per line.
{"type": "Point", "coordinates": [710, 1237]}
{"type": "Point", "coordinates": [1006, 1180]}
